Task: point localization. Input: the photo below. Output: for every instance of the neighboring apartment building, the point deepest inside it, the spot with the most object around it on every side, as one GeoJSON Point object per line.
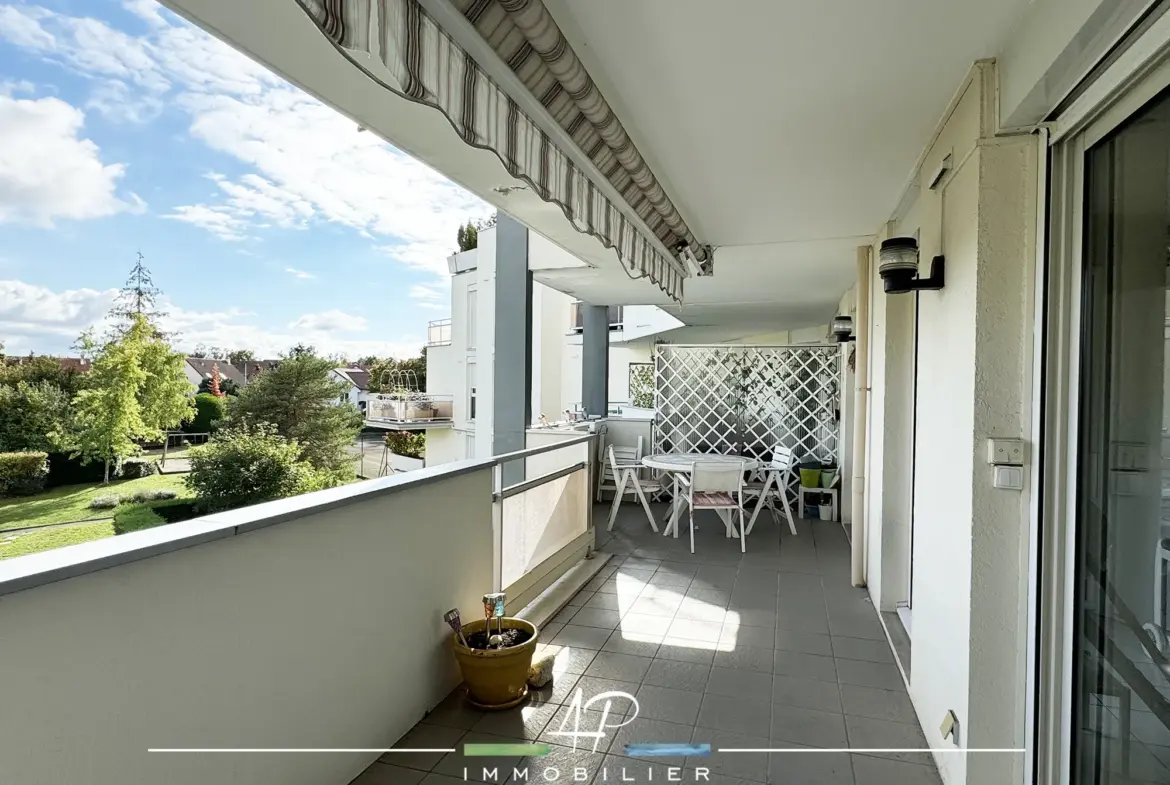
{"type": "Point", "coordinates": [461, 349]}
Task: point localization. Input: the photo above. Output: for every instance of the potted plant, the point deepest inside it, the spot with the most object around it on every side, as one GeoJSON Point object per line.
{"type": "Point", "coordinates": [494, 655]}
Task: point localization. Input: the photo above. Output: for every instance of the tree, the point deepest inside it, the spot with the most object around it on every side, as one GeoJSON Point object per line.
{"type": "Point", "coordinates": [300, 401]}
{"type": "Point", "coordinates": [33, 416]}
{"type": "Point", "coordinates": [237, 356]}
{"type": "Point", "coordinates": [137, 390]}
{"type": "Point", "coordinates": [214, 386]}
{"type": "Point", "coordinates": [467, 237]}
{"type": "Point", "coordinates": [109, 417]}
{"type": "Point", "coordinates": [226, 386]}
{"type": "Point", "coordinates": [34, 369]}
{"type": "Point", "coordinates": [86, 345]}
{"type": "Point", "coordinates": [383, 371]}
{"type": "Point", "coordinates": [301, 350]}
{"type": "Point", "coordinates": [137, 298]}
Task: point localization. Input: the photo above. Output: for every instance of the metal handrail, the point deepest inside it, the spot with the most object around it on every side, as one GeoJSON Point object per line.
{"type": "Point", "coordinates": [527, 485]}
{"type": "Point", "coordinates": [530, 451]}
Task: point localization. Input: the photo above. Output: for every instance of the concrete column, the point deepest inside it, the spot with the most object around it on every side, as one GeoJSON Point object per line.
{"type": "Point", "coordinates": [512, 377]}
{"type": "Point", "coordinates": [595, 360]}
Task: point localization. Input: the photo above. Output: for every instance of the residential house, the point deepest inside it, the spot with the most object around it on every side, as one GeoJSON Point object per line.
{"type": "Point", "coordinates": [357, 381]}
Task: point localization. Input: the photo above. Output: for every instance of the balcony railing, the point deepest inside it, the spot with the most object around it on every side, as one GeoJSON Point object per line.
{"type": "Point", "coordinates": [308, 622]}
{"type": "Point", "coordinates": [439, 332]}
{"type": "Point", "coordinates": [577, 317]}
{"type": "Point", "coordinates": [410, 409]}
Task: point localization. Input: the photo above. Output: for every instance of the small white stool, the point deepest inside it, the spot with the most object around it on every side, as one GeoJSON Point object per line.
{"type": "Point", "coordinates": [832, 498]}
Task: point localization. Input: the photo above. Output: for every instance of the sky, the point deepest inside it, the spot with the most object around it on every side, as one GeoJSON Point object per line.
{"type": "Point", "coordinates": [266, 218]}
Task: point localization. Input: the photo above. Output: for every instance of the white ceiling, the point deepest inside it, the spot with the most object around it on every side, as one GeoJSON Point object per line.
{"type": "Point", "coordinates": [783, 131]}
{"type": "Point", "coordinates": [776, 120]}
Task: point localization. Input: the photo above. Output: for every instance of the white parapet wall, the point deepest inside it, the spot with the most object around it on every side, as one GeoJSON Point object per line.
{"type": "Point", "coordinates": [321, 628]}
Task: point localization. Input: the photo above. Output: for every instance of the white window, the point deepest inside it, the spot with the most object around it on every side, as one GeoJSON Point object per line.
{"type": "Point", "coordinates": [472, 316]}
{"type": "Point", "coordinates": [471, 391]}
{"type": "Point", "coordinates": [469, 441]}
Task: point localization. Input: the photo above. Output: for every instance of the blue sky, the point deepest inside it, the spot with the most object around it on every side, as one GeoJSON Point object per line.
{"type": "Point", "coordinates": [266, 218]}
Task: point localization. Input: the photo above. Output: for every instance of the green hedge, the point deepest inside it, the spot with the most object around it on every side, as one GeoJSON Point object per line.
{"type": "Point", "coordinates": [23, 473]}
{"type": "Point", "coordinates": [209, 410]}
{"type": "Point", "coordinates": [137, 468]}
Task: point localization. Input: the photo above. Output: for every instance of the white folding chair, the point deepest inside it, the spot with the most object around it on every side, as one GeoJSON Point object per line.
{"type": "Point", "coordinates": [716, 486]}
{"type": "Point", "coordinates": [628, 481]}
{"type": "Point", "coordinates": [777, 475]}
{"type": "Point", "coordinates": [607, 479]}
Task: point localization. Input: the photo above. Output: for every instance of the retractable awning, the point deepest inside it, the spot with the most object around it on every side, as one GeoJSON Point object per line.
{"type": "Point", "coordinates": [399, 44]}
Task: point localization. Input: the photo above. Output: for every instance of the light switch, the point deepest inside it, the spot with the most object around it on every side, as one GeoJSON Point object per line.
{"type": "Point", "coordinates": [1009, 478]}
{"type": "Point", "coordinates": [1006, 451]}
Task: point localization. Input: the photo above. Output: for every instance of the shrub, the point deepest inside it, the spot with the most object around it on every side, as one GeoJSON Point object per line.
{"type": "Point", "coordinates": [250, 464]}
{"type": "Point", "coordinates": [105, 502]}
{"type": "Point", "coordinates": [23, 473]}
{"type": "Point", "coordinates": [137, 468]}
{"type": "Point", "coordinates": [136, 517]}
{"type": "Point", "coordinates": [65, 470]}
{"type": "Point", "coordinates": [209, 410]}
{"type": "Point", "coordinates": [158, 494]}
{"type": "Point", "coordinates": [406, 443]}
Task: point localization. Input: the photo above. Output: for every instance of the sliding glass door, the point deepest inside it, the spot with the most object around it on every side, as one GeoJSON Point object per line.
{"type": "Point", "coordinates": [1120, 677]}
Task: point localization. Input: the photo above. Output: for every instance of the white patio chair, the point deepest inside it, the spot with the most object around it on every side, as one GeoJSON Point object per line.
{"type": "Point", "coordinates": [777, 474]}
{"type": "Point", "coordinates": [716, 486]}
{"type": "Point", "coordinates": [607, 479]}
{"type": "Point", "coordinates": [628, 481]}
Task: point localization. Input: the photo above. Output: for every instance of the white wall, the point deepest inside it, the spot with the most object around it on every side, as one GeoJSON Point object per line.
{"type": "Point", "coordinates": [620, 357]}
{"type": "Point", "coordinates": [550, 310]}
{"type": "Point", "coordinates": [322, 631]}
{"type": "Point", "coordinates": [444, 445]}
{"type": "Point", "coordinates": [974, 336]}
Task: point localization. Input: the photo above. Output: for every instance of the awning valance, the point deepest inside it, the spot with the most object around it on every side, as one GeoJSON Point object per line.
{"type": "Point", "coordinates": [426, 65]}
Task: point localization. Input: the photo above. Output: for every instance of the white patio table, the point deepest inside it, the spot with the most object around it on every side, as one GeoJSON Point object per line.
{"type": "Point", "coordinates": [677, 463]}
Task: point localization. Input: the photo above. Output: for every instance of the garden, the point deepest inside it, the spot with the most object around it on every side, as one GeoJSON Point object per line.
{"type": "Point", "coordinates": [79, 450]}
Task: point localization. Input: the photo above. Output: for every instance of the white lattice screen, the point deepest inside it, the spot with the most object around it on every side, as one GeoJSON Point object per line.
{"type": "Point", "coordinates": [747, 400]}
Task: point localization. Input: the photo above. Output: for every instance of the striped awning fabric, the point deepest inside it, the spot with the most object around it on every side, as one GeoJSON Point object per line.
{"type": "Point", "coordinates": [426, 65]}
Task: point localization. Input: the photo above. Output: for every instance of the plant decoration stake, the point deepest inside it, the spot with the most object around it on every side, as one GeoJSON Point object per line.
{"type": "Point", "coordinates": [493, 605]}
{"type": "Point", "coordinates": [489, 610]}
{"type": "Point", "coordinates": [455, 623]}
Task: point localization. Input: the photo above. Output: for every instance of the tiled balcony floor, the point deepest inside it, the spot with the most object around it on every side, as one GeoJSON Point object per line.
{"type": "Point", "coordinates": [769, 649]}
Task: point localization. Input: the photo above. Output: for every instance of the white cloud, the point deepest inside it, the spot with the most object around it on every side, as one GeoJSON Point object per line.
{"type": "Point", "coordinates": [119, 102]}
{"type": "Point", "coordinates": [216, 220]}
{"type": "Point", "coordinates": [148, 10]}
{"type": "Point", "coordinates": [425, 293]}
{"type": "Point", "coordinates": [47, 171]}
{"type": "Point", "coordinates": [28, 308]}
{"type": "Point", "coordinates": [22, 27]}
{"type": "Point", "coordinates": [310, 163]}
{"type": "Point", "coordinates": [301, 274]}
{"type": "Point", "coordinates": [35, 318]}
{"type": "Point", "coordinates": [331, 321]}
{"type": "Point", "coordinates": [11, 87]}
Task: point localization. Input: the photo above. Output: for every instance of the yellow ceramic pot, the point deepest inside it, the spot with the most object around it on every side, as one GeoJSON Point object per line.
{"type": "Point", "coordinates": [496, 678]}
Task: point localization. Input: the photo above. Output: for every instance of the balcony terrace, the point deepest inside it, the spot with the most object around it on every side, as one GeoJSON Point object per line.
{"type": "Point", "coordinates": [315, 623]}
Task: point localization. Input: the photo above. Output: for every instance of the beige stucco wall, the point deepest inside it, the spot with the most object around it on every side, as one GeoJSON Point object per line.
{"type": "Point", "coordinates": [320, 632]}
{"type": "Point", "coordinates": [974, 354]}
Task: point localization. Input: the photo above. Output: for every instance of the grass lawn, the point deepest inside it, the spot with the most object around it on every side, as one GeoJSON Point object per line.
{"type": "Point", "coordinates": [71, 502]}
{"type": "Point", "coordinates": [37, 541]}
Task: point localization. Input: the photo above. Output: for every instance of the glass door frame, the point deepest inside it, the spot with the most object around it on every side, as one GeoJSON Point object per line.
{"type": "Point", "coordinates": [1117, 95]}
